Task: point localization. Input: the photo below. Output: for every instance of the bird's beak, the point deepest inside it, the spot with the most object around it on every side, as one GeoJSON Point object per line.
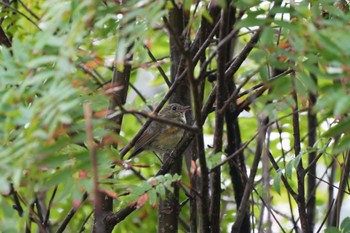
{"type": "Point", "coordinates": [186, 108]}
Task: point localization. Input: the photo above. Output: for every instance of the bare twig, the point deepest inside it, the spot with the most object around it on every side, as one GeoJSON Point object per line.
{"type": "Point", "coordinates": [19, 12]}
{"type": "Point", "coordinates": [300, 170]}
{"type": "Point", "coordinates": [47, 216]}
{"type": "Point", "coordinates": [269, 209]}
{"type": "Point", "coordinates": [326, 216]}
{"type": "Point", "coordinates": [82, 228]}
{"type": "Point", "coordinates": [159, 119]}
{"type": "Point", "coordinates": [29, 10]}
{"type": "Point", "coordinates": [92, 148]}
{"type": "Point", "coordinates": [17, 206]}
{"type": "Point", "coordinates": [161, 71]}
{"type": "Point", "coordinates": [249, 186]}
{"type": "Point", "coordinates": [70, 215]}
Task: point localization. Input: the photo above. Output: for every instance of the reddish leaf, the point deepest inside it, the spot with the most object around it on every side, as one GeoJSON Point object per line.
{"type": "Point", "coordinates": [82, 174]}
{"type": "Point", "coordinates": [142, 200]}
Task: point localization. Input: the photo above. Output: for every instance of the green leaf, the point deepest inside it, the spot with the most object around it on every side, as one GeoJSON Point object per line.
{"type": "Point", "coordinates": [37, 62]}
{"type": "Point", "coordinates": [250, 21]}
{"type": "Point", "coordinates": [332, 230]}
{"type": "Point", "coordinates": [345, 225]}
{"type": "Point", "coordinates": [289, 169]}
{"type": "Point", "coordinates": [342, 105]}
{"type": "Point", "coordinates": [207, 16]}
{"type": "Point", "coordinates": [152, 196]}
{"type": "Point", "coordinates": [138, 190]}
{"type": "Point", "coordinates": [307, 81]}
{"type": "Point", "coordinates": [264, 73]}
{"type": "Point", "coordinates": [214, 159]}
{"type": "Point", "coordinates": [267, 37]}
{"type": "Point", "coordinates": [161, 190]}
{"type": "Point", "coordinates": [277, 181]}
{"type": "Point", "coordinates": [145, 186]}
{"type": "Point", "coordinates": [297, 160]}
{"type": "Point", "coordinates": [342, 145]}
{"type": "Point", "coordinates": [187, 4]}
{"type": "Point", "coordinates": [342, 127]}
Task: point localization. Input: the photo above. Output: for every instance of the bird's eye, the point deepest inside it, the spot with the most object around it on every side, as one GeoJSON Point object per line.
{"type": "Point", "coordinates": [174, 108]}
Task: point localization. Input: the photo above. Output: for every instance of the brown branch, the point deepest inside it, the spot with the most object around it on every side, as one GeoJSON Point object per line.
{"type": "Point", "coordinates": [92, 74]}
{"type": "Point", "coordinates": [82, 228]}
{"type": "Point", "coordinates": [221, 95]}
{"type": "Point", "coordinates": [300, 170]}
{"type": "Point", "coordinates": [326, 216]}
{"type": "Point", "coordinates": [47, 216]}
{"type": "Point", "coordinates": [98, 226]}
{"type": "Point", "coordinates": [270, 210]}
{"type": "Point", "coordinates": [160, 119]}
{"type": "Point", "coordinates": [342, 189]}
{"type": "Point", "coordinates": [139, 94]}
{"type": "Point", "coordinates": [4, 40]}
{"type": "Point", "coordinates": [295, 227]}
{"type": "Point", "coordinates": [17, 204]}
{"type": "Point", "coordinates": [250, 182]}
{"type": "Point", "coordinates": [115, 218]}
{"type": "Point", "coordinates": [242, 56]}
{"type": "Point", "coordinates": [122, 79]}
{"type": "Point", "coordinates": [70, 215]}
{"type": "Point", "coordinates": [161, 71]}
{"type": "Point", "coordinates": [204, 181]}
{"type": "Point", "coordinates": [314, 161]}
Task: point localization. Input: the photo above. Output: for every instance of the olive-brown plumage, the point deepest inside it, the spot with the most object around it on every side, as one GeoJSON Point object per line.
{"type": "Point", "coordinates": [162, 137]}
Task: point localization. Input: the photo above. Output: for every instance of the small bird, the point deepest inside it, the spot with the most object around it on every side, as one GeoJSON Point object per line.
{"type": "Point", "coordinates": [160, 136]}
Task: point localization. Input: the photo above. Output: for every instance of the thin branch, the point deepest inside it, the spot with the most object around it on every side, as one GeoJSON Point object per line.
{"type": "Point", "coordinates": [47, 216]}
{"type": "Point", "coordinates": [139, 93]}
{"type": "Point", "coordinates": [300, 170]}
{"type": "Point", "coordinates": [342, 188]}
{"type": "Point", "coordinates": [250, 182]}
{"type": "Point", "coordinates": [161, 71]}
{"type": "Point", "coordinates": [4, 40]}
{"type": "Point", "coordinates": [262, 84]}
{"type": "Point", "coordinates": [92, 74]}
{"type": "Point", "coordinates": [233, 96]}
{"type": "Point", "coordinates": [82, 228]}
{"type": "Point", "coordinates": [332, 185]}
{"type": "Point", "coordinates": [70, 215]}
{"type": "Point", "coordinates": [17, 206]}
{"type": "Point", "coordinates": [269, 209]}
{"type": "Point", "coordinates": [93, 156]}
{"type": "Point", "coordinates": [326, 216]}
{"type": "Point", "coordinates": [29, 10]}
{"type": "Point", "coordinates": [177, 42]}
{"type": "Point", "coordinates": [19, 12]}
{"type": "Point", "coordinates": [284, 162]}
{"type": "Point", "coordinates": [236, 153]}
{"type": "Point", "coordinates": [159, 119]}
{"type": "Point", "coordinates": [313, 162]}
{"type": "Point", "coordinates": [204, 181]}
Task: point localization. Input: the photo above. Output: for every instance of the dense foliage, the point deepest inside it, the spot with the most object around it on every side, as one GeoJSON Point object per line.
{"type": "Point", "coordinates": [268, 83]}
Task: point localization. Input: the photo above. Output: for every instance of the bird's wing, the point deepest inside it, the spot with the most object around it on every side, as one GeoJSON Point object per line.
{"type": "Point", "coordinates": [143, 141]}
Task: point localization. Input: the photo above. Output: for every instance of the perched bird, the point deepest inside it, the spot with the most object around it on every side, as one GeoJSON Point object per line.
{"type": "Point", "coordinates": [160, 136]}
